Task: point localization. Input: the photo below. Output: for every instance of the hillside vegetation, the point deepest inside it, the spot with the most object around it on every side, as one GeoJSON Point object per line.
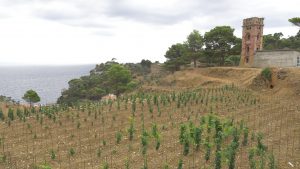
{"type": "Point", "coordinates": [110, 77]}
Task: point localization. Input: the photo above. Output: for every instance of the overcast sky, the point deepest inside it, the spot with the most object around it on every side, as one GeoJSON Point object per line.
{"type": "Point", "coordinates": [65, 32]}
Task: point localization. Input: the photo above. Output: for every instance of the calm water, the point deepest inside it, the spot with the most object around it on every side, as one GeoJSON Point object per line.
{"type": "Point", "coordinates": [47, 81]}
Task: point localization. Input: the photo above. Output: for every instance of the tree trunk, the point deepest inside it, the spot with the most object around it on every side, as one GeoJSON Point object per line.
{"type": "Point", "coordinates": [195, 63]}
{"type": "Point", "coordinates": [222, 60]}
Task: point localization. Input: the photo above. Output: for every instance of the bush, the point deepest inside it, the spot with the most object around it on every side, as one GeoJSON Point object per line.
{"type": "Point", "coordinates": [131, 129]}
{"type": "Point", "coordinates": [182, 132]}
{"type": "Point", "coordinates": [246, 133]}
{"type": "Point", "coordinates": [272, 164]}
{"type": "Point", "coordinates": [267, 73]}
{"type": "Point", "coordinates": [166, 166]}
{"type": "Point", "coordinates": [251, 156]}
{"type": "Point", "coordinates": [71, 152]}
{"type": "Point", "coordinates": [127, 164]}
{"type": "Point", "coordinates": [105, 165]}
{"type": "Point", "coordinates": [118, 137]}
{"type": "Point", "coordinates": [99, 152]}
{"type": "Point", "coordinates": [186, 146]}
{"type": "Point", "coordinates": [44, 166]}
{"type": "Point", "coordinates": [1, 114]}
{"type": "Point", "coordinates": [2, 158]}
{"type": "Point", "coordinates": [144, 140]}
{"type": "Point", "coordinates": [180, 164]}
{"type": "Point", "coordinates": [11, 114]}
{"type": "Point", "coordinates": [53, 155]}
{"type": "Point", "coordinates": [218, 160]}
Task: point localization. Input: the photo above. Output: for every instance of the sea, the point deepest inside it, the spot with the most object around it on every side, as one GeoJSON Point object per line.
{"type": "Point", "coordinates": [47, 81]}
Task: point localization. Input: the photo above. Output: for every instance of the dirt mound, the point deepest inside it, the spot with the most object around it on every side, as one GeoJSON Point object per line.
{"type": "Point", "coordinates": [214, 76]}
{"type": "Point", "coordinates": [289, 84]}
{"type": "Point", "coordinates": [239, 76]}
{"type": "Point", "coordinates": [258, 83]}
{"type": "Point", "coordinates": [191, 78]}
{"type": "Point", "coordinates": [285, 83]}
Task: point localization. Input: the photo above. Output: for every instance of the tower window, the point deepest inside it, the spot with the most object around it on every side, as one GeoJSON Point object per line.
{"type": "Point", "coordinates": [298, 61]}
{"type": "Point", "coordinates": [257, 37]}
{"type": "Point", "coordinates": [247, 54]}
{"type": "Point", "coordinates": [248, 36]}
{"type": "Point", "coordinates": [247, 59]}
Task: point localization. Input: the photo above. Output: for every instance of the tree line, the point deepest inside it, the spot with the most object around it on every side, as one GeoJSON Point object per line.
{"type": "Point", "coordinates": [219, 47]}
{"type": "Point", "coordinates": [213, 48]}
{"type": "Point", "coordinates": [277, 41]}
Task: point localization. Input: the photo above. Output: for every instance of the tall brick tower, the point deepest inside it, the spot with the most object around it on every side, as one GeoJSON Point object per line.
{"type": "Point", "coordinates": [252, 39]}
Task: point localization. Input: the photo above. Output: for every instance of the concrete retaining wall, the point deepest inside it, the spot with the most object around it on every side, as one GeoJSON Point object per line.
{"type": "Point", "coordinates": [276, 58]}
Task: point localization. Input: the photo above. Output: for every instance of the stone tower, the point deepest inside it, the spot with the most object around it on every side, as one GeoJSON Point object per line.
{"type": "Point", "coordinates": [252, 39]}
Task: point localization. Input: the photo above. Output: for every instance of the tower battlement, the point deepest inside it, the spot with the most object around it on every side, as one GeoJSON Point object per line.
{"type": "Point", "coordinates": [253, 21]}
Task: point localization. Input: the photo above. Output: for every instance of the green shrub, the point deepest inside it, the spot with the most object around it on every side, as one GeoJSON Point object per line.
{"type": "Point", "coordinates": [78, 125]}
{"type": "Point", "coordinates": [260, 146]}
{"type": "Point", "coordinates": [145, 166]}
{"type": "Point", "coordinates": [157, 143]}
{"type": "Point", "coordinates": [186, 146]}
{"type": "Point", "coordinates": [272, 164]}
{"type": "Point", "coordinates": [105, 165]}
{"type": "Point", "coordinates": [267, 73]}
{"type": "Point", "coordinates": [2, 158]}
{"type": "Point", "coordinates": [246, 133]}
{"type": "Point", "coordinates": [71, 152]}
{"type": "Point", "coordinates": [166, 166]}
{"type": "Point", "coordinates": [127, 166]}
{"type": "Point", "coordinates": [218, 160]}
{"type": "Point", "coordinates": [251, 156]}
{"type": "Point", "coordinates": [208, 149]}
{"type": "Point", "coordinates": [197, 138]}
{"type": "Point", "coordinates": [11, 114]}
{"type": "Point", "coordinates": [144, 141]}
{"type": "Point", "coordinates": [44, 166]}
{"type": "Point", "coordinates": [131, 129]}
{"type": "Point", "coordinates": [1, 114]}
{"type": "Point", "coordinates": [154, 130]}
{"type": "Point", "coordinates": [99, 152]}
{"type": "Point", "coordinates": [182, 133]}
{"type": "Point", "coordinates": [180, 164]}
{"type": "Point", "coordinates": [118, 137]}
{"type": "Point", "coordinates": [53, 155]}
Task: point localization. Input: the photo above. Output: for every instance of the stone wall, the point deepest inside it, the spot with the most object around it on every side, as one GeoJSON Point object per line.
{"type": "Point", "coordinates": [276, 58]}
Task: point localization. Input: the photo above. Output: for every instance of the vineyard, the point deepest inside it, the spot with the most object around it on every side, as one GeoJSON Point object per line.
{"type": "Point", "coordinates": [219, 127]}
